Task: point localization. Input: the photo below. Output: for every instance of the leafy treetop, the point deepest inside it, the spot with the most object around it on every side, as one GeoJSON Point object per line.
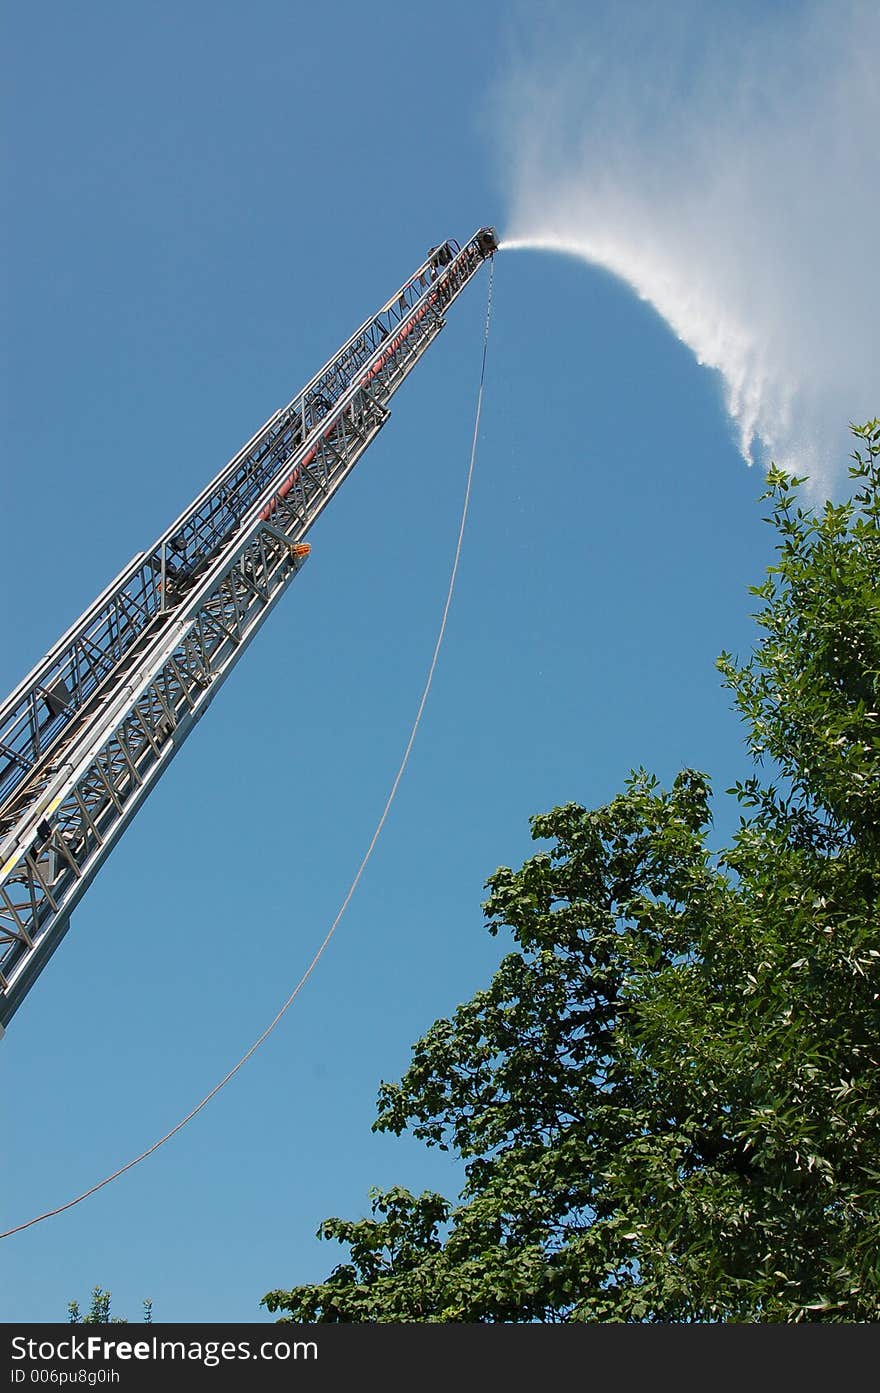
{"type": "Point", "coordinates": [667, 1099]}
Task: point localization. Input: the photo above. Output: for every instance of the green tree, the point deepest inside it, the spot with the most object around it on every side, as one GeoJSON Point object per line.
{"type": "Point", "coordinates": [667, 1099]}
{"type": "Point", "coordinates": [99, 1311]}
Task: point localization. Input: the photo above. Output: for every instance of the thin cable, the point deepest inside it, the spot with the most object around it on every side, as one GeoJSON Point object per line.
{"type": "Point", "coordinates": [129, 1165]}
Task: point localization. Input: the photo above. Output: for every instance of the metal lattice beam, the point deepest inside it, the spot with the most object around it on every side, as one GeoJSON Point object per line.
{"type": "Point", "coordinates": [87, 734]}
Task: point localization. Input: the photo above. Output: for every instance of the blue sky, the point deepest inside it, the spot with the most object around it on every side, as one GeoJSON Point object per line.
{"type": "Point", "coordinates": [203, 200]}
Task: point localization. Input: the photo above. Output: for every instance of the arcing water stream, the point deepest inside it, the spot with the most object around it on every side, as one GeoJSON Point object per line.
{"type": "Point", "coordinates": [733, 184]}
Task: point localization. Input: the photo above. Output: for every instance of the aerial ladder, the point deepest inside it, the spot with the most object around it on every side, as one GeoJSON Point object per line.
{"type": "Point", "coordinates": [88, 733]}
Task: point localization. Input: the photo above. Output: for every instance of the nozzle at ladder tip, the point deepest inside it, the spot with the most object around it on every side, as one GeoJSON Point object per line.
{"type": "Point", "coordinates": [487, 241]}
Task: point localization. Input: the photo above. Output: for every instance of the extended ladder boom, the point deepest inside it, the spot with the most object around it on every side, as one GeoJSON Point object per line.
{"type": "Point", "coordinates": [86, 735]}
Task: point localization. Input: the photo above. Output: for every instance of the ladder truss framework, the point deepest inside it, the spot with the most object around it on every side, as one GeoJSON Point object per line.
{"type": "Point", "coordinates": [87, 734]}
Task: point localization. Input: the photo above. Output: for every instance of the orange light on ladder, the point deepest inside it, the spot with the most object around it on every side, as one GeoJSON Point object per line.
{"type": "Point", "coordinates": [300, 548]}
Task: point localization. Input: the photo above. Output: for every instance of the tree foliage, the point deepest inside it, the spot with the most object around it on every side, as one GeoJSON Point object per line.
{"type": "Point", "coordinates": [668, 1097]}
{"type": "Point", "coordinates": [99, 1311]}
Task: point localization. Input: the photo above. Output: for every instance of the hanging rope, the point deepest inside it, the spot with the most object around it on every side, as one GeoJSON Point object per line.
{"type": "Point", "coordinates": [178, 1127]}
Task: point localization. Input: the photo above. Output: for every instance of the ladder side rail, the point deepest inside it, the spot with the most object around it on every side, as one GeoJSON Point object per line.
{"type": "Point", "coordinates": [105, 779]}
{"type": "Point", "coordinates": [379, 375]}
{"type": "Point", "coordinates": [61, 644]}
{"type": "Point", "coordinates": [219, 510]}
{"type": "Point", "coordinates": [318, 477]}
{"type": "Point", "coordinates": [65, 835]}
{"type": "Point", "coordinates": [40, 708]}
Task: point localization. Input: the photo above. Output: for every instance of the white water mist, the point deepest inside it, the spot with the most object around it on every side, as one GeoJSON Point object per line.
{"type": "Point", "coordinates": [727, 170]}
